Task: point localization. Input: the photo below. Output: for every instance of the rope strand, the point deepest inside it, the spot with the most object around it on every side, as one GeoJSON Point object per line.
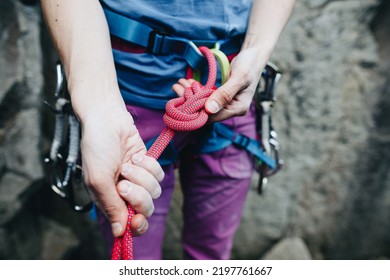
{"type": "Point", "coordinates": [184, 113]}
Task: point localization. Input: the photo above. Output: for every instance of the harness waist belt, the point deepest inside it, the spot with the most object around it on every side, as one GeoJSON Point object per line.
{"type": "Point", "coordinates": [160, 43]}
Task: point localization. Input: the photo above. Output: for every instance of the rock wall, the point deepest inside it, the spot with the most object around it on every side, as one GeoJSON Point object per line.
{"type": "Point", "coordinates": [334, 191]}
{"type": "Point", "coordinates": [34, 224]}
{"type": "Point", "coordinates": [330, 201]}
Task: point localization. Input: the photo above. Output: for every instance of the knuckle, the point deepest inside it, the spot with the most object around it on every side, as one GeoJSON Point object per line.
{"type": "Point", "coordinates": [226, 96]}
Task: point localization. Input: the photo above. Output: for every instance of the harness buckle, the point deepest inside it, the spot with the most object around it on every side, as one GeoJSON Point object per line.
{"type": "Point", "coordinates": [156, 41]}
{"type": "Point", "coordinates": [242, 141]}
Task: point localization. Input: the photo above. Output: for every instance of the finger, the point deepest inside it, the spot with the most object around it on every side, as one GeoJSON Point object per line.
{"type": "Point", "coordinates": [186, 82]}
{"type": "Point", "coordinates": [181, 85]}
{"type": "Point", "coordinates": [139, 199]}
{"type": "Point", "coordinates": [222, 96]}
{"type": "Point", "coordinates": [220, 116]}
{"type": "Point", "coordinates": [238, 107]}
{"type": "Point", "coordinates": [141, 177]}
{"type": "Point", "coordinates": [113, 207]}
{"type": "Point", "coordinates": [139, 225]}
{"type": "Point", "coordinates": [178, 89]}
{"type": "Point", "coordinates": [150, 164]}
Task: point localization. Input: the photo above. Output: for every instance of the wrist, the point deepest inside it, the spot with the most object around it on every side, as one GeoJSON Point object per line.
{"type": "Point", "coordinates": [97, 102]}
{"type": "Point", "coordinates": [261, 47]}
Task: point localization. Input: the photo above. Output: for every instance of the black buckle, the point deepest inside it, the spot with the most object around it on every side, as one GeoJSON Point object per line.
{"type": "Point", "coordinates": [242, 141]}
{"type": "Point", "coordinates": [156, 41]}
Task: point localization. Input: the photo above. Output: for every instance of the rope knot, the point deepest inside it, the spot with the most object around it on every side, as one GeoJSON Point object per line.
{"type": "Point", "coordinates": [187, 113]}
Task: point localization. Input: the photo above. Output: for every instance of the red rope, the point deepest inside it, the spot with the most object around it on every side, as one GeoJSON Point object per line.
{"type": "Point", "coordinates": [184, 113]}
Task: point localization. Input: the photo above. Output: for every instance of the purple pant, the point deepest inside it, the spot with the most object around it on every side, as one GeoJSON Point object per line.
{"type": "Point", "coordinates": [214, 187]}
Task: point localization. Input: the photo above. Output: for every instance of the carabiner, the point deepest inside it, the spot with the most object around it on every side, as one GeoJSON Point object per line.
{"type": "Point", "coordinates": [264, 171]}
{"type": "Point", "coordinates": [64, 179]}
{"type": "Point", "coordinates": [64, 175]}
{"type": "Point", "coordinates": [264, 101]}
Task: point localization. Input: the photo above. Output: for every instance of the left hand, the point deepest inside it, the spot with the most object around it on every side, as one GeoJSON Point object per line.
{"type": "Point", "coordinates": [235, 96]}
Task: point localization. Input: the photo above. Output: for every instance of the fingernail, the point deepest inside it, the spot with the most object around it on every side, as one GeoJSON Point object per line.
{"type": "Point", "coordinates": [124, 187]}
{"type": "Point", "coordinates": [156, 194]}
{"type": "Point", "coordinates": [160, 176]}
{"type": "Point", "coordinates": [137, 158]}
{"type": "Point", "coordinates": [126, 168]}
{"type": "Point", "coordinates": [116, 228]}
{"type": "Point", "coordinates": [141, 228]}
{"type": "Point", "coordinates": [213, 107]}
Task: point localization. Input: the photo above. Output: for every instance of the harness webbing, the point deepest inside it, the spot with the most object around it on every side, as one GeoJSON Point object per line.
{"type": "Point", "coordinates": [184, 113]}
{"type": "Point", "coordinates": [158, 42]}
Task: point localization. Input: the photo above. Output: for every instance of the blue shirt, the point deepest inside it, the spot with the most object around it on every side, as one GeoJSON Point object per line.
{"type": "Point", "coordinates": [145, 79]}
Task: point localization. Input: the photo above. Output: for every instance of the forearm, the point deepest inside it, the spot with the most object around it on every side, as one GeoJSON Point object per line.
{"type": "Point", "coordinates": [80, 34]}
{"type": "Point", "coordinates": [266, 23]}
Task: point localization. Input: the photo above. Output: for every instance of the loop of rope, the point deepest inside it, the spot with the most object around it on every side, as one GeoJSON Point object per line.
{"type": "Point", "coordinates": [184, 113]}
{"type": "Point", "coordinates": [187, 113]}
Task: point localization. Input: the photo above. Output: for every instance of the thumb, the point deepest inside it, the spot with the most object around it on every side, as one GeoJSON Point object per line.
{"type": "Point", "coordinates": [222, 96]}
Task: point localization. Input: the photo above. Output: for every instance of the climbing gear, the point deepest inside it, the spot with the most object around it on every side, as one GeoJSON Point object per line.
{"type": "Point", "coordinates": [184, 113]}
{"type": "Point", "coordinates": [159, 42]}
{"type": "Point", "coordinates": [252, 146]}
{"type": "Point", "coordinates": [224, 67]}
{"type": "Point", "coordinates": [264, 102]}
{"type": "Point", "coordinates": [65, 174]}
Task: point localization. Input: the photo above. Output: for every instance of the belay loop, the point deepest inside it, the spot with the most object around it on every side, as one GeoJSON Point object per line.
{"type": "Point", "coordinates": [184, 113]}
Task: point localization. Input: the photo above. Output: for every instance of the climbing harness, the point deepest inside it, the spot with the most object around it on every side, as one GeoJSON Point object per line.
{"type": "Point", "coordinates": [64, 174]}
{"type": "Point", "coordinates": [264, 101]}
{"type": "Point", "coordinates": [159, 42]}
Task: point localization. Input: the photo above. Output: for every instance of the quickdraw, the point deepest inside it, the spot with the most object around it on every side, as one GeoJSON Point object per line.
{"type": "Point", "coordinates": [264, 101]}
{"type": "Point", "coordinates": [65, 174]}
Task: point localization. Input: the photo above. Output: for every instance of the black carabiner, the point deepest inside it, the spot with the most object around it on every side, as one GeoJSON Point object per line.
{"type": "Point", "coordinates": [65, 175]}
{"type": "Point", "coordinates": [264, 101]}
{"type": "Point", "coordinates": [64, 185]}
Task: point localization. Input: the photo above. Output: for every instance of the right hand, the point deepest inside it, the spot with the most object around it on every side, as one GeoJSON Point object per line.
{"type": "Point", "coordinates": [117, 170]}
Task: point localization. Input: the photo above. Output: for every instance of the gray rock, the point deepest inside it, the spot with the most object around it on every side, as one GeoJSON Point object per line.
{"type": "Point", "coordinates": [21, 144]}
{"type": "Point", "coordinates": [290, 248]}
{"type": "Point", "coordinates": [57, 240]}
{"type": "Point", "coordinates": [12, 186]}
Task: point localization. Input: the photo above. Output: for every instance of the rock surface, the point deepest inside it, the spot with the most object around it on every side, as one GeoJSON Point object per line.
{"type": "Point", "coordinates": [290, 248]}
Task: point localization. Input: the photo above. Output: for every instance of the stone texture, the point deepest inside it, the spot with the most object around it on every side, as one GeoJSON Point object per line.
{"type": "Point", "coordinates": [324, 117]}
{"type": "Point", "coordinates": [12, 187]}
{"type": "Point", "coordinates": [290, 248]}
{"type": "Point", "coordinates": [57, 240]}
